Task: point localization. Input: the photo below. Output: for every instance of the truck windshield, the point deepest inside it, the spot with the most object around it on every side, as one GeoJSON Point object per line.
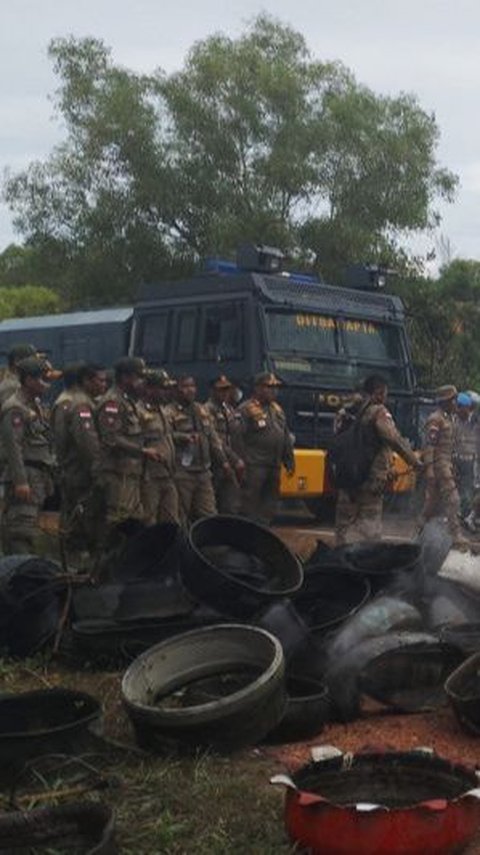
{"type": "Point", "coordinates": [332, 350]}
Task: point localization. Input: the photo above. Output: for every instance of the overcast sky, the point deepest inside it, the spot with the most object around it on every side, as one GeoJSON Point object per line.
{"type": "Point", "coordinates": [429, 47]}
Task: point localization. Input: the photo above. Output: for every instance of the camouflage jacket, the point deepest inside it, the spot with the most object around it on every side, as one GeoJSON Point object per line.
{"type": "Point", "coordinates": [265, 439]}
{"type": "Point", "coordinates": [194, 421]}
{"type": "Point", "coordinates": [26, 437]}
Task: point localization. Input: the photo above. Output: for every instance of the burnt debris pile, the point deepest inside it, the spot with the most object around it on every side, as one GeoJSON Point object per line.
{"type": "Point", "coordinates": [228, 639]}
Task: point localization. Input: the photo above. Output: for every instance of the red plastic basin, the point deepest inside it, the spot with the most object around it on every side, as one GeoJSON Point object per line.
{"type": "Point", "coordinates": [394, 803]}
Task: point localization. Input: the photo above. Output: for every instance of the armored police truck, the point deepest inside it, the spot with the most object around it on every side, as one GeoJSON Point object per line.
{"type": "Point", "coordinates": [239, 319]}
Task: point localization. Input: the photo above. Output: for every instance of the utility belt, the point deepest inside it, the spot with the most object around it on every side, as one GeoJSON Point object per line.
{"type": "Point", "coordinates": [465, 458]}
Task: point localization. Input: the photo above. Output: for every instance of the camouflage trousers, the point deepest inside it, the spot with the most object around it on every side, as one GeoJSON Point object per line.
{"type": "Point", "coordinates": [260, 492]}
{"type": "Point", "coordinates": [465, 472]}
{"type": "Point", "coordinates": [159, 498]}
{"type": "Point", "coordinates": [227, 494]}
{"type": "Point", "coordinates": [358, 515]}
{"type": "Point", "coordinates": [19, 519]}
{"type": "Point", "coordinates": [196, 496]}
{"type": "Point", "coordinates": [441, 497]}
{"type": "Point", "coordinates": [122, 497]}
{"type": "Point", "coordinates": [82, 514]}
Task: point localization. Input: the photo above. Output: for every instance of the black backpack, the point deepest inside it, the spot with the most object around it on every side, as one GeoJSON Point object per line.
{"type": "Point", "coordinates": [352, 453]}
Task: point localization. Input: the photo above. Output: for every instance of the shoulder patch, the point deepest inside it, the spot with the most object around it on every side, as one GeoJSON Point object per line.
{"type": "Point", "coordinates": [433, 431]}
{"type": "Point", "coordinates": [111, 407]}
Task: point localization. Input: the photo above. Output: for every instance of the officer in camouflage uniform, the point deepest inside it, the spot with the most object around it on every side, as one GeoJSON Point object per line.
{"type": "Point", "coordinates": [10, 382]}
{"type": "Point", "coordinates": [61, 408]}
{"type": "Point", "coordinates": [79, 455]}
{"type": "Point", "coordinates": [197, 445]}
{"type": "Point", "coordinates": [226, 487]}
{"type": "Point", "coordinates": [359, 511]}
{"type": "Point", "coordinates": [158, 492]}
{"type": "Point", "coordinates": [26, 439]}
{"type": "Point", "coordinates": [441, 494]}
{"type": "Point", "coordinates": [265, 442]}
{"type": "Point", "coordinates": [122, 441]}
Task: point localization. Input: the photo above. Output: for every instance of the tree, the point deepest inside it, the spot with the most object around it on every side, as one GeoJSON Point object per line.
{"type": "Point", "coordinates": [23, 301]}
{"type": "Point", "coordinates": [92, 206]}
{"type": "Point", "coordinates": [252, 139]}
{"type": "Point", "coordinates": [443, 319]}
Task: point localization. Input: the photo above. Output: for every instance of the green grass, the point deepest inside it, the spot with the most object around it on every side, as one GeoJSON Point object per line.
{"type": "Point", "coordinates": [205, 805]}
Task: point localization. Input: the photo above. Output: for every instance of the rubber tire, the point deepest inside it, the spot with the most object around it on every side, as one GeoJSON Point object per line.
{"type": "Point", "coordinates": [234, 721]}
{"type": "Point", "coordinates": [307, 710]}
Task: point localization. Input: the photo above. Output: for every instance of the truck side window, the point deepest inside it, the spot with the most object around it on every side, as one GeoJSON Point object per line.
{"type": "Point", "coordinates": [185, 340]}
{"type": "Point", "coordinates": [154, 337]}
{"type": "Point", "coordinates": [222, 332]}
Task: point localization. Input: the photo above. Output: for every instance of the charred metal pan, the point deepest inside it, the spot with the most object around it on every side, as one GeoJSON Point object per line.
{"type": "Point", "coordinates": [391, 803]}
{"type": "Point", "coordinates": [463, 691]}
{"type": "Point", "coordinates": [307, 711]}
{"type": "Point", "coordinates": [384, 564]}
{"type": "Point", "coordinates": [238, 567]}
{"type": "Point", "coordinates": [89, 825]}
{"type": "Point", "coordinates": [48, 721]}
{"type": "Point", "coordinates": [329, 596]}
{"type": "Point", "coordinates": [222, 688]}
{"type": "Point", "coordinates": [411, 679]}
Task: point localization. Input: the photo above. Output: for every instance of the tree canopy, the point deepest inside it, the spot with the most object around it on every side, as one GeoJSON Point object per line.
{"type": "Point", "coordinates": [443, 320]}
{"type": "Point", "coordinates": [252, 139]}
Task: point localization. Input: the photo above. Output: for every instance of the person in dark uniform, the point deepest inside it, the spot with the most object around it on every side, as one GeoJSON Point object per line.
{"type": "Point", "coordinates": [265, 442]}
{"type": "Point", "coordinates": [197, 445]}
{"type": "Point", "coordinates": [26, 440]}
{"type": "Point", "coordinates": [226, 486]}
